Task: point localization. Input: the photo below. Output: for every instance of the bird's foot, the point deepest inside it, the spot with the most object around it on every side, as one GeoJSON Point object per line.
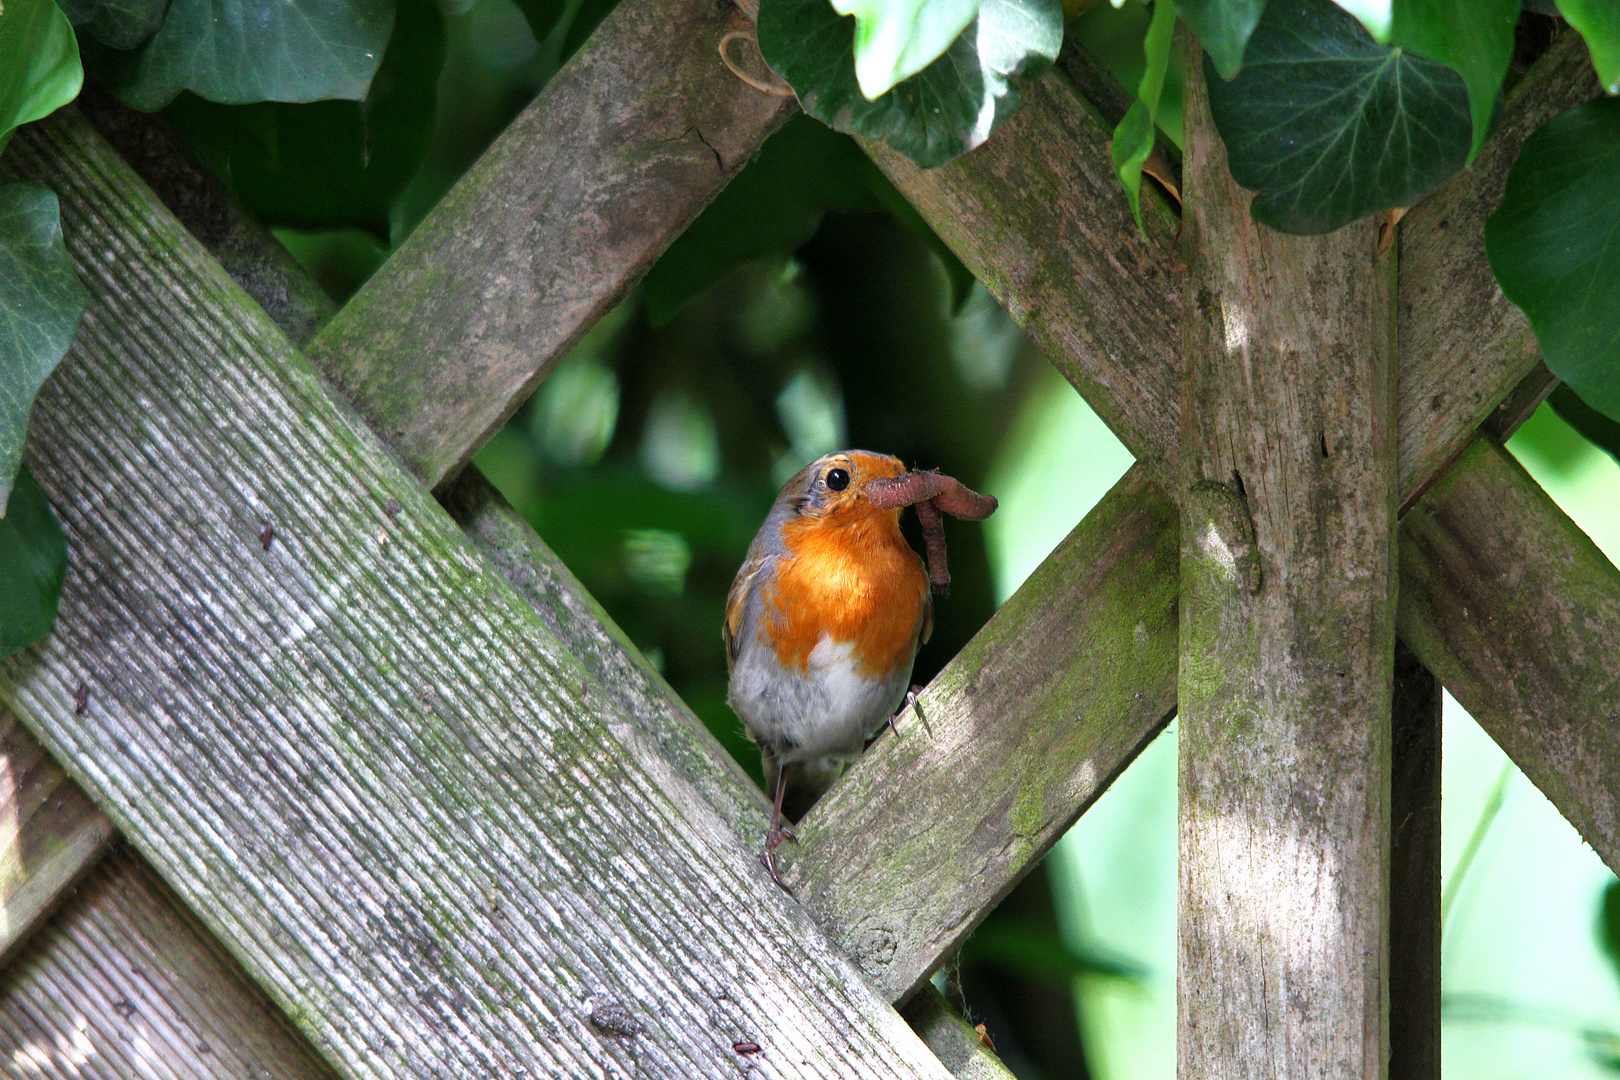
{"type": "Point", "coordinates": [911, 702]}
{"type": "Point", "coordinates": [773, 840]}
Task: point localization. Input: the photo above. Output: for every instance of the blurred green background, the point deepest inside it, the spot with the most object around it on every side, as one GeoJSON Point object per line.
{"type": "Point", "coordinates": [810, 310]}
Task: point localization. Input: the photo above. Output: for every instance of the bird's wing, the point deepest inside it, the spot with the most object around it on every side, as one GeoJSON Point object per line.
{"type": "Point", "coordinates": [743, 589]}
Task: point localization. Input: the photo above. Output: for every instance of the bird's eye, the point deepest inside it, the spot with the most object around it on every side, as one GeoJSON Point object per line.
{"type": "Point", "coordinates": [837, 479]}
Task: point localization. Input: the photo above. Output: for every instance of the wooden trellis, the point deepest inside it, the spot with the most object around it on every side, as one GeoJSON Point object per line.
{"type": "Point", "coordinates": [440, 813]}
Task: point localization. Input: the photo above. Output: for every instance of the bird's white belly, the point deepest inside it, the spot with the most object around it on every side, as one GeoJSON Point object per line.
{"type": "Point", "coordinates": [828, 710]}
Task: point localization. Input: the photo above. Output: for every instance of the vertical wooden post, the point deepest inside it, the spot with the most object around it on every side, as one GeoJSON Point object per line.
{"type": "Point", "coordinates": [1287, 568]}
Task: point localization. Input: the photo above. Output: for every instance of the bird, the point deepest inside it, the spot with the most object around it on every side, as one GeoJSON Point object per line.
{"type": "Point", "coordinates": [822, 627]}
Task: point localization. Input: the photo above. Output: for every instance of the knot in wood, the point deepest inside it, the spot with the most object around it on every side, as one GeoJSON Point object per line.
{"type": "Point", "coordinates": [876, 946]}
{"type": "Point", "coordinates": [612, 1018]}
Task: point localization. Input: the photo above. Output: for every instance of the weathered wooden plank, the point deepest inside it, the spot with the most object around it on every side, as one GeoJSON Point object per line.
{"type": "Point", "coordinates": [1463, 345]}
{"type": "Point", "coordinates": [1414, 872]}
{"type": "Point", "coordinates": [552, 226]}
{"type": "Point", "coordinates": [1015, 738]}
{"type": "Point", "coordinates": [121, 983]}
{"type": "Point", "coordinates": [1518, 613]}
{"type": "Point", "coordinates": [50, 833]}
{"type": "Point", "coordinates": [409, 811]}
{"type": "Point", "coordinates": [1288, 514]}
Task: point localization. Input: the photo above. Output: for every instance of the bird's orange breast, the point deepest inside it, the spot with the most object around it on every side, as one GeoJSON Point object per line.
{"type": "Point", "coordinates": [854, 579]}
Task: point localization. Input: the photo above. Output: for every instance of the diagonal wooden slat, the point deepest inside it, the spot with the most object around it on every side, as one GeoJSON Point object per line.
{"type": "Point", "coordinates": [435, 859]}
{"type": "Point", "coordinates": [50, 833]}
{"type": "Point", "coordinates": [552, 226]}
{"type": "Point", "coordinates": [1518, 613]}
{"type": "Point", "coordinates": [124, 984]}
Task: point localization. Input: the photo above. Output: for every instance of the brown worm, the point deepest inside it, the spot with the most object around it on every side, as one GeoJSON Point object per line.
{"type": "Point", "coordinates": [932, 492]}
{"type": "Point", "coordinates": [947, 492]}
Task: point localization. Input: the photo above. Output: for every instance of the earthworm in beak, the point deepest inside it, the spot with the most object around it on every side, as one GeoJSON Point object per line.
{"type": "Point", "coordinates": [931, 492]}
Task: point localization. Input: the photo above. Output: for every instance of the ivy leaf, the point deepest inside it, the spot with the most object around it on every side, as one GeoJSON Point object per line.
{"type": "Point", "coordinates": [123, 24]}
{"type": "Point", "coordinates": [33, 560]}
{"type": "Point", "coordinates": [542, 15]}
{"type": "Point", "coordinates": [1554, 246]}
{"type": "Point", "coordinates": [329, 164]}
{"type": "Point", "coordinates": [895, 39]}
{"type": "Point", "coordinates": [1472, 37]}
{"type": "Point", "coordinates": [1599, 23]}
{"type": "Point", "coordinates": [240, 51]}
{"type": "Point", "coordinates": [39, 63]}
{"type": "Point", "coordinates": [1329, 126]}
{"type": "Point", "coordinates": [1222, 28]}
{"type": "Point", "coordinates": [946, 109]}
{"type": "Point", "coordinates": [41, 302]}
{"type": "Point", "coordinates": [1133, 138]}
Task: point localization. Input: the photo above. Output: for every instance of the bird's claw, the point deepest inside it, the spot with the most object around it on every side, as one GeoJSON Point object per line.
{"type": "Point", "coordinates": [911, 701]}
{"type": "Point", "coordinates": [773, 840]}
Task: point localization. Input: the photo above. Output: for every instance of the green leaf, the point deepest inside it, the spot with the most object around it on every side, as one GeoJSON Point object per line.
{"type": "Point", "coordinates": [1472, 37]}
{"type": "Point", "coordinates": [1599, 23]}
{"type": "Point", "coordinates": [1329, 126]}
{"type": "Point", "coordinates": [948, 108]}
{"type": "Point", "coordinates": [240, 51]}
{"type": "Point", "coordinates": [1554, 246]}
{"type": "Point", "coordinates": [1133, 138]}
{"type": "Point", "coordinates": [1222, 28]}
{"type": "Point", "coordinates": [895, 39]}
{"type": "Point", "coordinates": [329, 164]}
{"type": "Point", "coordinates": [39, 63]}
{"type": "Point", "coordinates": [123, 24]}
{"type": "Point", "coordinates": [33, 560]}
{"type": "Point", "coordinates": [41, 302]}
{"type": "Point", "coordinates": [1592, 425]}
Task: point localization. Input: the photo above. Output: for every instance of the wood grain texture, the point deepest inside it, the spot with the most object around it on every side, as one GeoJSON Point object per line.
{"type": "Point", "coordinates": [1414, 872]}
{"type": "Point", "coordinates": [550, 229]}
{"type": "Point", "coordinates": [369, 767]}
{"type": "Point", "coordinates": [50, 834]}
{"type": "Point", "coordinates": [1287, 637]}
{"type": "Point", "coordinates": [122, 983]}
{"type": "Point", "coordinates": [211, 213]}
{"type": "Point", "coordinates": [1038, 216]}
{"type": "Point", "coordinates": [1518, 613]}
{"type": "Point", "coordinates": [1021, 732]}
{"type": "Point", "coordinates": [1463, 345]}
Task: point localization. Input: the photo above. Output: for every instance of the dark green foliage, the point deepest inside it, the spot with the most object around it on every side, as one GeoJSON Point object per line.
{"type": "Point", "coordinates": [1330, 126]}
{"type": "Point", "coordinates": [329, 164]}
{"type": "Point", "coordinates": [946, 109]}
{"type": "Point", "coordinates": [240, 51]}
{"type": "Point", "coordinates": [123, 24]}
{"type": "Point", "coordinates": [1222, 28]}
{"type": "Point", "coordinates": [1554, 246]}
{"type": "Point", "coordinates": [39, 63]}
{"type": "Point", "coordinates": [41, 302]}
{"type": "Point", "coordinates": [33, 559]}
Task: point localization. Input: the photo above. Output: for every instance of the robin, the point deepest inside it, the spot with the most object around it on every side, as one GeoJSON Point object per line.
{"type": "Point", "coordinates": [822, 626]}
